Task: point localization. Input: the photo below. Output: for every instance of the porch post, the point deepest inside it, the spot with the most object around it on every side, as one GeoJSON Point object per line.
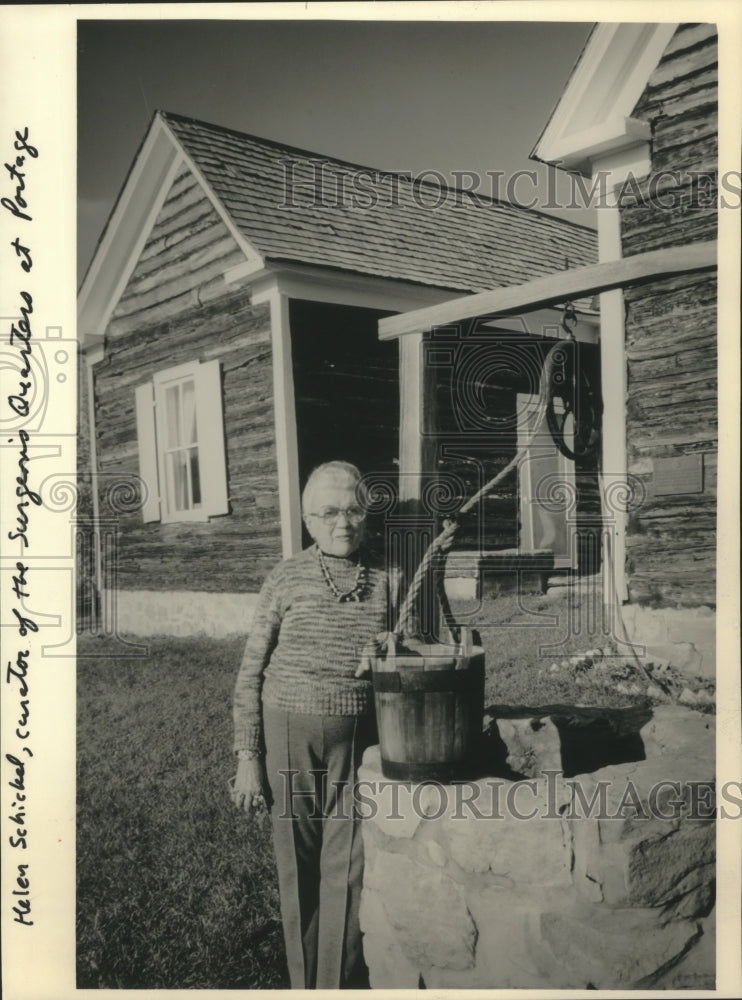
{"type": "Point", "coordinates": [414, 526]}
{"type": "Point", "coordinates": [287, 453]}
{"type": "Point", "coordinates": [411, 399]}
{"type": "Point", "coordinates": [614, 486]}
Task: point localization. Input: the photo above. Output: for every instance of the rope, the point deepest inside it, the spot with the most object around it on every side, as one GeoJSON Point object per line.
{"type": "Point", "coordinates": [441, 545]}
{"type": "Point", "coordinates": [443, 542]}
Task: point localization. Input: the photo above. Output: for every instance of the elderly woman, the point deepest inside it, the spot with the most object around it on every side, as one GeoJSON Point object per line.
{"type": "Point", "coordinates": [303, 713]}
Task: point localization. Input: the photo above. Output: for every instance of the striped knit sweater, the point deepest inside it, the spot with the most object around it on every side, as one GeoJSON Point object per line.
{"type": "Point", "coordinates": [304, 646]}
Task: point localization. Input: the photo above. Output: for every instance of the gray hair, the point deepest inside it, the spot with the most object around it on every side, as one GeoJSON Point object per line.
{"type": "Point", "coordinates": [336, 471]}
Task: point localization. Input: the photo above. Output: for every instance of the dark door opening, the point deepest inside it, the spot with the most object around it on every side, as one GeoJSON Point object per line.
{"type": "Point", "coordinates": [346, 388]}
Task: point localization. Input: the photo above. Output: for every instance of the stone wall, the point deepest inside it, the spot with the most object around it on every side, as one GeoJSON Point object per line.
{"type": "Point", "coordinates": [502, 883]}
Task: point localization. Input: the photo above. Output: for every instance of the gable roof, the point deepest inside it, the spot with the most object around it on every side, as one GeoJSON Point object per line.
{"type": "Point", "coordinates": [466, 242]}
{"type": "Point", "coordinates": [594, 113]}
{"type": "Point", "coordinates": [289, 206]}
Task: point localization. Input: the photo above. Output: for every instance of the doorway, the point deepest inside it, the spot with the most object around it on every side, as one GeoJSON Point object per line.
{"type": "Point", "coordinates": [346, 391]}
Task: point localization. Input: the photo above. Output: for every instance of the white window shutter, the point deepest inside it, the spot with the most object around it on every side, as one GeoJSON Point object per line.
{"type": "Point", "coordinates": [211, 445]}
{"type": "Point", "coordinates": [147, 447]}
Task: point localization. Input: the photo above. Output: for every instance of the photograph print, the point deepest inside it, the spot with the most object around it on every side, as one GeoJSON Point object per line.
{"type": "Point", "coordinates": [396, 521]}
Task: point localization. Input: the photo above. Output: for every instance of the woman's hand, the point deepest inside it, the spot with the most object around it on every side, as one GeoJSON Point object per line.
{"type": "Point", "coordinates": [250, 790]}
{"type": "Point", "coordinates": [371, 652]}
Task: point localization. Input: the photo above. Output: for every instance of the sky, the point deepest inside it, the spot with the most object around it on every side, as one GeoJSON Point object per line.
{"type": "Point", "coordinates": [407, 96]}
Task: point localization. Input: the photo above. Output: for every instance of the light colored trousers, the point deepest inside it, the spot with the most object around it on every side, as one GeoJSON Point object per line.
{"type": "Point", "coordinates": [311, 763]}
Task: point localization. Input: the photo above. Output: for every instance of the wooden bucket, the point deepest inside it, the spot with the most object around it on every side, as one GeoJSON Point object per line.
{"type": "Point", "coordinates": [429, 708]}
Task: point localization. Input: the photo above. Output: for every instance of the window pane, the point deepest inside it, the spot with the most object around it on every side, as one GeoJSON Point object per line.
{"type": "Point", "coordinates": [189, 413]}
{"type": "Point", "coordinates": [195, 478]}
{"type": "Point", "coordinates": [172, 408]}
{"type": "Point", "coordinates": [179, 479]}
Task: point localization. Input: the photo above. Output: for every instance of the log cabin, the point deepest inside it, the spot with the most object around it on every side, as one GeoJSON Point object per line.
{"type": "Point", "coordinates": [637, 126]}
{"type": "Point", "coordinates": [229, 324]}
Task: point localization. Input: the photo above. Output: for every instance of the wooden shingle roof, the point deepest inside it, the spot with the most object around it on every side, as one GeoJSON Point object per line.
{"type": "Point", "coordinates": [300, 207]}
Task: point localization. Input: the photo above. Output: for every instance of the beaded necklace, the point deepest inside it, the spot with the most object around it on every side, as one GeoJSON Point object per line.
{"type": "Point", "coordinates": [356, 592]}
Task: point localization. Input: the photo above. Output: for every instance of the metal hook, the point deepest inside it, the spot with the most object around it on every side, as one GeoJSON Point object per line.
{"type": "Point", "coordinates": [569, 320]}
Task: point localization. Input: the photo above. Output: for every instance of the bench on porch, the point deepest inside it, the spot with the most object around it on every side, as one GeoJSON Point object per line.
{"type": "Point", "coordinates": [472, 574]}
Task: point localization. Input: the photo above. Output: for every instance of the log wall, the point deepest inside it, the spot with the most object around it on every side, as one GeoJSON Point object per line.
{"type": "Point", "coordinates": [176, 308]}
{"type": "Point", "coordinates": [671, 342]}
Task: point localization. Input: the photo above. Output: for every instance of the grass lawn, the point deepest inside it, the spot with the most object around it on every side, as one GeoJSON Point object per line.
{"type": "Point", "coordinates": [175, 888]}
{"type": "Point", "coordinates": [523, 635]}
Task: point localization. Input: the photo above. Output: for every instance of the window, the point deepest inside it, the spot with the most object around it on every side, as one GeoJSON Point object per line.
{"type": "Point", "coordinates": [180, 432]}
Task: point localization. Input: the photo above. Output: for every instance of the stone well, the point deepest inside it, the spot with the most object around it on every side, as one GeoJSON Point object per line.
{"type": "Point", "coordinates": [518, 882]}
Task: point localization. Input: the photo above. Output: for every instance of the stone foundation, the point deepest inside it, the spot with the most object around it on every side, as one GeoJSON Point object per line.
{"type": "Point", "coordinates": [518, 883]}
{"type": "Point", "coordinates": [685, 638]}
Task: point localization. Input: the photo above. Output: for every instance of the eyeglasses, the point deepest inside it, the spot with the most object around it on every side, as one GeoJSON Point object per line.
{"type": "Point", "coordinates": [330, 515]}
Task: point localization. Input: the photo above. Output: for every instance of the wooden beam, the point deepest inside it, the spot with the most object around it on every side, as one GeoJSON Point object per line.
{"type": "Point", "coordinates": [553, 288]}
